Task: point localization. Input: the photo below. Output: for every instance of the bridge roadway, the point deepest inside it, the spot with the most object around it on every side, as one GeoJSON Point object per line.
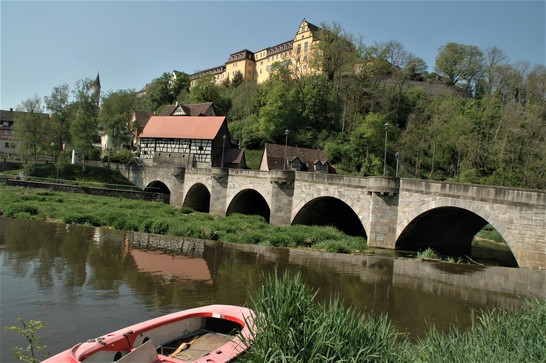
{"type": "Point", "coordinates": [392, 213]}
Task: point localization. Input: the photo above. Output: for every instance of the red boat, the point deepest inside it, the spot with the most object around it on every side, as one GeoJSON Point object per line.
{"type": "Point", "coordinates": [207, 334]}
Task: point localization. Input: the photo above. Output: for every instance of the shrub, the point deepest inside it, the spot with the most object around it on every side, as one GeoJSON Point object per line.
{"type": "Point", "coordinates": [155, 226]}
{"type": "Point", "coordinates": [186, 210]}
{"type": "Point", "coordinates": [429, 254]}
{"type": "Point", "coordinates": [87, 219]}
{"type": "Point", "coordinates": [19, 209]}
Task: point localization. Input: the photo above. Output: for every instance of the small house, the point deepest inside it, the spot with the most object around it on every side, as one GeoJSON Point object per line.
{"type": "Point", "coordinates": [280, 157]}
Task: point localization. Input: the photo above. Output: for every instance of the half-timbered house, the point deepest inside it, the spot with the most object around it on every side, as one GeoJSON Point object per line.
{"type": "Point", "coordinates": [194, 141]}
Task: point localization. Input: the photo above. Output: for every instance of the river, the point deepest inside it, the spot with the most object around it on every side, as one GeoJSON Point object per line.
{"type": "Point", "coordinates": [84, 282]}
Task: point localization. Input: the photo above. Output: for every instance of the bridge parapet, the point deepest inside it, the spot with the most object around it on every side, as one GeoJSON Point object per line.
{"type": "Point", "coordinates": [496, 194]}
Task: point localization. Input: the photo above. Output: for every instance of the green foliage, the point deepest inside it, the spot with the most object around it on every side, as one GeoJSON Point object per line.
{"type": "Point", "coordinates": [429, 254]}
{"type": "Point", "coordinates": [115, 116]}
{"type": "Point", "coordinates": [58, 103]}
{"type": "Point", "coordinates": [29, 331]}
{"type": "Point", "coordinates": [155, 226]}
{"type": "Point", "coordinates": [490, 233]}
{"type": "Point", "coordinates": [84, 129]}
{"type": "Point", "coordinates": [31, 128]}
{"type": "Point", "coordinates": [186, 210]}
{"type": "Point", "coordinates": [160, 218]}
{"type": "Point", "coordinates": [93, 174]}
{"type": "Point", "coordinates": [206, 90]}
{"type": "Point", "coordinates": [495, 336]}
{"type": "Point", "coordinates": [165, 90]}
{"type": "Point", "coordinates": [122, 156]}
{"type": "Point", "coordinates": [291, 327]}
{"type": "Point", "coordinates": [460, 63]}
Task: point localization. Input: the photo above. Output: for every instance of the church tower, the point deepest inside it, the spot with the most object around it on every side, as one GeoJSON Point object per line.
{"type": "Point", "coordinates": [95, 91]}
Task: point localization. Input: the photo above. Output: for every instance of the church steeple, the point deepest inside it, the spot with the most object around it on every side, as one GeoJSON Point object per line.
{"type": "Point", "coordinates": [95, 90]}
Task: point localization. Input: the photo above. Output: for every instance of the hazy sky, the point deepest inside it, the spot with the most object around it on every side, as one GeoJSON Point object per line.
{"type": "Point", "coordinates": [47, 43]}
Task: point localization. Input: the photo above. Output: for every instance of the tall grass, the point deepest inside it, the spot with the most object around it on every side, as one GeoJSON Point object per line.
{"type": "Point", "coordinates": [290, 326]}
{"type": "Point", "coordinates": [495, 336]}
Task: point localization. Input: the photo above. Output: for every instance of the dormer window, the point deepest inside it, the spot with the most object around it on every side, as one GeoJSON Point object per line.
{"type": "Point", "coordinates": [296, 164]}
{"type": "Point", "coordinates": [321, 168]}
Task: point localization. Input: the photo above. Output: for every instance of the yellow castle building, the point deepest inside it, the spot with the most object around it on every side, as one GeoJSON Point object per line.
{"type": "Point", "coordinates": [256, 66]}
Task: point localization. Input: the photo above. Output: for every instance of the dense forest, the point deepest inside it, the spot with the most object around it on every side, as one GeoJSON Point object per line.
{"type": "Point", "coordinates": [475, 119]}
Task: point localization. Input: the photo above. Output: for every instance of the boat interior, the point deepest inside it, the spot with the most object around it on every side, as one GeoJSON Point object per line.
{"type": "Point", "coordinates": [181, 341]}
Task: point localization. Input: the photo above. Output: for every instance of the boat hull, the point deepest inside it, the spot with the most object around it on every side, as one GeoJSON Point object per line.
{"type": "Point", "coordinates": [207, 334]}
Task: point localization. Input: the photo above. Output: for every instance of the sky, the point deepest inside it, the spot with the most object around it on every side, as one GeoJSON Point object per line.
{"type": "Point", "coordinates": [129, 43]}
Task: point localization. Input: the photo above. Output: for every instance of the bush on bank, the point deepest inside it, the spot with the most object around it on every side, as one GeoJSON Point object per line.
{"type": "Point", "coordinates": [160, 218]}
{"type": "Point", "coordinates": [291, 327]}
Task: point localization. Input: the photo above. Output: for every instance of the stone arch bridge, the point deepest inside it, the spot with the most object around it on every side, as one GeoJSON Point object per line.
{"type": "Point", "coordinates": [392, 213]}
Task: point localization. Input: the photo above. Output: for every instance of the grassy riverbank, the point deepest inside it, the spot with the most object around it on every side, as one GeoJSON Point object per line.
{"type": "Point", "coordinates": [292, 327]}
{"type": "Point", "coordinates": [155, 217]}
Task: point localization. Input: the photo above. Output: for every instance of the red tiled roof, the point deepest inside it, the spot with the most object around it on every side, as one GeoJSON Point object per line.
{"type": "Point", "coordinates": [189, 127]}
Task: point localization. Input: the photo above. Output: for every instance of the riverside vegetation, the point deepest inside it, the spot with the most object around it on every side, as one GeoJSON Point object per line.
{"type": "Point", "coordinates": [160, 218]}
{"type": "Point", "coordinates": [290, 326]}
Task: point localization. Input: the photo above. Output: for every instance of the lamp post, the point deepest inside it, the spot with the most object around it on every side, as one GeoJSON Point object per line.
{"type": "Point", "coordinates": [397, 156]}
{"type": "Point", "coordinates": [285, 146]}
{"type": "Point", "coordinates": [223, 149]}
{"type": "Point", "coordinates": [385, 155]}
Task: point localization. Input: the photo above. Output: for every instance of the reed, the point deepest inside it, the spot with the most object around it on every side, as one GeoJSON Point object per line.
{"type": "Point", "coordinates": [291, 327]}
{"type": "Point", "coordinates": [515, 335]}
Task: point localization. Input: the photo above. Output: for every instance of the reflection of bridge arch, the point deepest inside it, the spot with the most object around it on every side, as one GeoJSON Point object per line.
{"type": "Point", "coordinates": [448, 227]}
{"type": "Point", "coordinates": [198, 198]}
{"type": "Point", "coordinates": [249, 201]}
{"type": "Point", "coordinates": [330, 211]}
{"type": "Point", "coordinates": [158, 187]}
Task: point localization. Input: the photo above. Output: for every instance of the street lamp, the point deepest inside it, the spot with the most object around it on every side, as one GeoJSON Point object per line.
{"type": "Point", "coordinates": [285, 146]}
{"type": "Point", "coordinates": [223, 149]}
{"type": "Point", "coordinates": [385, 155]}
{"type": "Point", "coordinates": [397, 156]}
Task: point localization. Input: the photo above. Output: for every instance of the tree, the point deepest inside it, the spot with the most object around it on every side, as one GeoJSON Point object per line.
{"type": "Point", "coordinates": [31, 127]}
{"type": "Point", "coordinates": [165, 89]}
{"type": "Point", "coordinates": [58, 105]}
{"type": "Point", "coordinates": [336, 51]}
{"type": "Point", "coordinates": [115, 116]}
{"type": "Point", "coordinates": [237, 80]}
{"type": "Point", "coordinates": [494, 60]}
{"type": "Point", "coordinates": [206, 90]}
{"type": "Point", "coordinates": [460, 64]}
{"type": "Point", "coordinates": [84, 126]}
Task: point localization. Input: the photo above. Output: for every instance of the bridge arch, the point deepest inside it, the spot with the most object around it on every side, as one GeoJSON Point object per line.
{"type": "Point", "coordinates": [330, 211]}
{"type": "Point", "coordinates": [249, 201]}
{"type": "Point", "coordinates": [451, 221]}
{"type": "Point", "coordinates": [158, 186]}
{"type": "Point", "coordinates": [198, 198]}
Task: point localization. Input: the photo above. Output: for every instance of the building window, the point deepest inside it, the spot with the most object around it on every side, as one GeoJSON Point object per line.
{"type": "Point", "coordinates": [305, 47]}
{"type": "Point", "coordinates": [299, 49]}
{"type": "Point", "coordinates": [296, 164]}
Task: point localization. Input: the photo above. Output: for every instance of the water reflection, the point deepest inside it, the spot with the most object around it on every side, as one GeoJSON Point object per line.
{"type": "Point", "coordinates": [86, 281]}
